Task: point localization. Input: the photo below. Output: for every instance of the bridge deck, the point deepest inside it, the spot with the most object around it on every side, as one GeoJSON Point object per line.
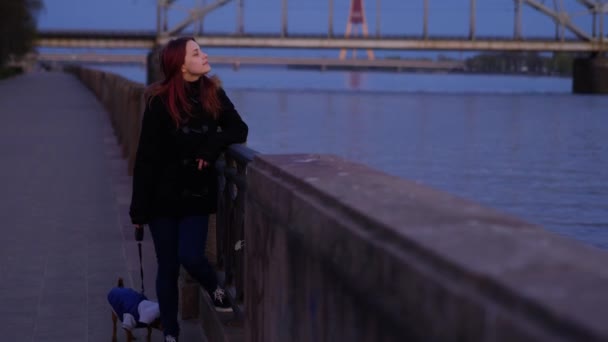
{"type": "Point", "coordinates": [65, 236]}
{"type": "Point", "coordinates": [147, 40]}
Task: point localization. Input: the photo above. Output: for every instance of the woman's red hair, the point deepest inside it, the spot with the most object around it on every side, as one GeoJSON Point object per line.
{"type": "Point", "coordinates": [172, 89]}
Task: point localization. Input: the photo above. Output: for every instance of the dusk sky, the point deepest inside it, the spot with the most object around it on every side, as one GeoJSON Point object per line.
{"type": "Point", "coordinates": [447, 17]}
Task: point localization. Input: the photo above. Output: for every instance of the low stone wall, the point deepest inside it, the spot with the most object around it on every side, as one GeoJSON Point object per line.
{"type": "Point", "coordinates": [336, 251]}
{"type": "Point", "coordinates": [124, 102]}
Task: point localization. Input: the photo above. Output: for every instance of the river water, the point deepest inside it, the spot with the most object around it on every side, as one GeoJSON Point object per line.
{"type": "Point", "coordinates": [523, 145]}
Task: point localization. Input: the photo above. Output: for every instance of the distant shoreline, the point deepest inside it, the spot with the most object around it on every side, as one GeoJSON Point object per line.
{"type": "Point", "coordinates": [421, 70]}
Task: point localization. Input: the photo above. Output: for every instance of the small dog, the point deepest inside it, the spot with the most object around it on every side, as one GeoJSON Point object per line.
{"type": "Point", "coordinates": [133, 310]}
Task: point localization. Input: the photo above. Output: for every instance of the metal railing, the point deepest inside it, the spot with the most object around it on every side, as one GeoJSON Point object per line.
{"type": "Point", "coordinates": [232, 172]}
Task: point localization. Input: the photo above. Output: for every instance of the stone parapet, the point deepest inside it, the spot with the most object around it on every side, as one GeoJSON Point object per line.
{"type": "Point", "coordinates": [337, 251]}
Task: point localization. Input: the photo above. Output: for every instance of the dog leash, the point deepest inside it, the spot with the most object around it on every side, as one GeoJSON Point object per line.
{"type": "Point", "coordinates": [139, 236]}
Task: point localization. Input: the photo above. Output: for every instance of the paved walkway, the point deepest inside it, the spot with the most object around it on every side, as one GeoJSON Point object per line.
{"type": "Point", "coordinates": [65, 235]}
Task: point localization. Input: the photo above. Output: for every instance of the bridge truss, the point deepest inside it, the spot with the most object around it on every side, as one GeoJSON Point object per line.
{"type": "Point", "coordinates": [590, 39]}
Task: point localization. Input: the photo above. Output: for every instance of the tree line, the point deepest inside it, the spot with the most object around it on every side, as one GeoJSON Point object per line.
{"type": "Point", "coordinates": [559, 64]}
{"type": "Point", "coordinates": [18, 19]}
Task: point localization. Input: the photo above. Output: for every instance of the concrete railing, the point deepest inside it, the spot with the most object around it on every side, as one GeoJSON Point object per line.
{"type": "Point", "coordinates": [337, 251]}
{"type": "Point", "coordinates": [124, 102]}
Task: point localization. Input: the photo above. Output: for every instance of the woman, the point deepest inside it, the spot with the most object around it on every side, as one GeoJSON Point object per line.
{"type": "Point", "coordinates": [188, 121]}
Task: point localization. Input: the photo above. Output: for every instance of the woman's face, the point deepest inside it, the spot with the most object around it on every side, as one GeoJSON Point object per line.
{"type": "Point", "coordinates": [195, 63]}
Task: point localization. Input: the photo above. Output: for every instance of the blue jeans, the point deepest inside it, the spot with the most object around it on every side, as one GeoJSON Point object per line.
{"type": "Point", "coordinates": [179, 241]}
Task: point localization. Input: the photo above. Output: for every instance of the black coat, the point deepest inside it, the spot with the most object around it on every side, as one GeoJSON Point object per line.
{"type": "Point", "coordinates": [166, 181]}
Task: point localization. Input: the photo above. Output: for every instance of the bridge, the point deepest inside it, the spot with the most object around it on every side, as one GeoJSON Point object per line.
{"type": "Point", "coordinates": [580, 40]}
{"type": "Point", "coordinates": [148, 40]}
{"type": "Point", "coordinates": [589, 73]}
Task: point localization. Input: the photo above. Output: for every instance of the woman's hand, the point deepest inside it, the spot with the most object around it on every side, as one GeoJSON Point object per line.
{"type": "Point", "coordinates": [202, 164]}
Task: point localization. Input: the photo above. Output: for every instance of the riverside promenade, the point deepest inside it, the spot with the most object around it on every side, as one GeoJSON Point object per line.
{"type": "Point", "coordinates": [312, 247]}
{"type": "Point", "coordinates": [65, 235]}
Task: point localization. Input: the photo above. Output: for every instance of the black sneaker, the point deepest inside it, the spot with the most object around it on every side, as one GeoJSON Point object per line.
{"type": "Point", "coordinates": [221, 301]}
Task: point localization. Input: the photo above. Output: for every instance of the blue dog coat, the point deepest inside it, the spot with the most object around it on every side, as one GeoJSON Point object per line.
{"type": "Point", "coordinates": [132, 307]}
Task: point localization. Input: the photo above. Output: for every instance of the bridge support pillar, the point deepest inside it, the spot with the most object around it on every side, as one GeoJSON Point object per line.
{"type": "Point", "coordinates": [590, 75]}
{"type": "Point", "coordinates": [153, 73]}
